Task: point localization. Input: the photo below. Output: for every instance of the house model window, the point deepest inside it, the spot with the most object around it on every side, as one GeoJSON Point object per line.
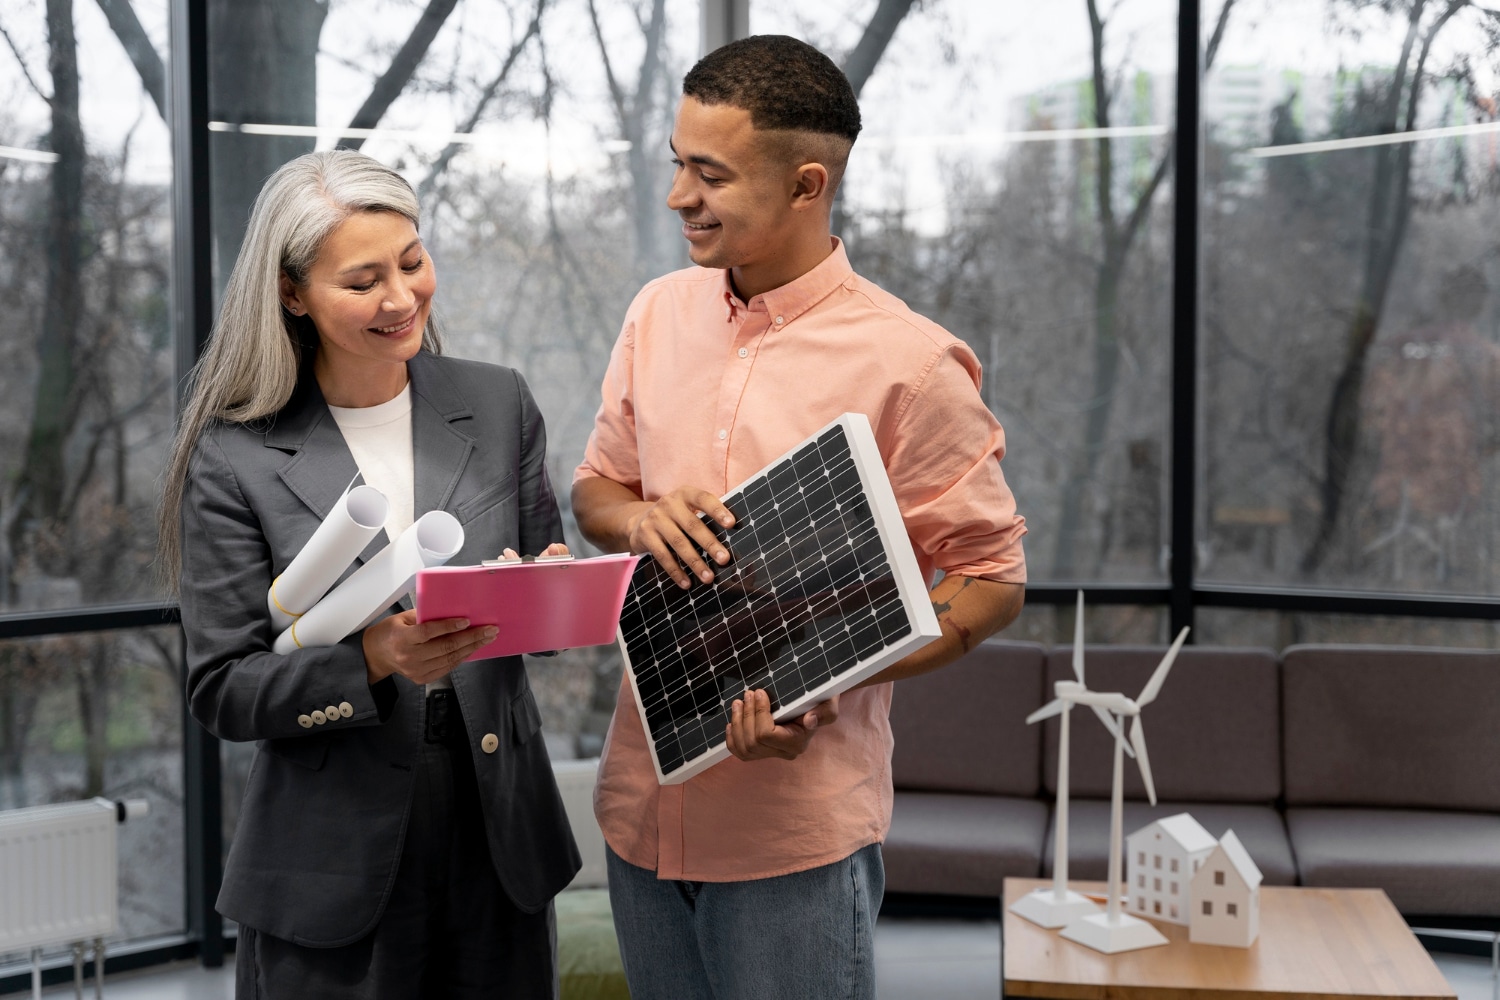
{"type": "Point", "coordinates": [1233, 909]}
{"type": "Point", "coordinates": [1208, 908]}
{"type": "Point", "coordinates": [1218, 878]}
{"type": "Point", "coordinates": [1174, 864]}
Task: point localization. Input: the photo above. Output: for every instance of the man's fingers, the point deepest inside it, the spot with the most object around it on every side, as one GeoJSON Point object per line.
{"type": "Point", "coordinates": [438, 627]}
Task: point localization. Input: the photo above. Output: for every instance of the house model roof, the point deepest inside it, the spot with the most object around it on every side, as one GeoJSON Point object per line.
{"type": "Point", "coordinates": [1188, 833]}
{"type": "Point", "coordinates": [1240, 858]}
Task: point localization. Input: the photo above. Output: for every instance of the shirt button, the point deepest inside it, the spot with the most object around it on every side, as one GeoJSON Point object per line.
{"type": "Point", "coordinates": [319, 718]}
{"type": "Point", "coordinates": [334, 713]}
{"type": "Point", "coordinates": [779, 321]}
{"type": "Point", "coordinates": [346, 710]}
{"type": "Point", "coordinates": [305, 721]}
{"type": "Point", "coordinates": [490, 743]}
{"type": "Point", "coordinates": [723, 435]}
{"type": "Point", "coordinates": [744, 352]}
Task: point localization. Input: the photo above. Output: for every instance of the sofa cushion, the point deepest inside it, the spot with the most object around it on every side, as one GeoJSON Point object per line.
{"type": "Point", "coordinates": [961, 728]}
{"type": "Point", "coordinates": [1430, 863]}
{"type": "Point", "coordinates": [1259, 828]}
{"type": "Point", "coordinates": [1212, 732]}
{"type": "Point", "coordinates": [1392, 727]}
{"type": "Point", "coordinates": [962, 845]}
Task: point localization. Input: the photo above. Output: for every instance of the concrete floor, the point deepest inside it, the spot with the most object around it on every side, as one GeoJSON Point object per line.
{"type": "Point", "coordinates": [916, 958]}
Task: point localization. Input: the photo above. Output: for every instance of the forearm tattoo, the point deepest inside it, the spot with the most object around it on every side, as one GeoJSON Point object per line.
{"type": "Point", "coordinates": [944, 609]}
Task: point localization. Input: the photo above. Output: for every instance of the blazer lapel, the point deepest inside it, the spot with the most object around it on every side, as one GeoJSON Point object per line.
{"type": "Point", "coordinates": [321, 467]}
{"type": "Point", "coordinates": [441, 449]}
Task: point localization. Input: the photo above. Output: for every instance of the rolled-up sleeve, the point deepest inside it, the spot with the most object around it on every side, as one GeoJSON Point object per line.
{"type": "Point", "coordinates": [612, 450]}
{"type": "Point", "coordinates": [944, 465]}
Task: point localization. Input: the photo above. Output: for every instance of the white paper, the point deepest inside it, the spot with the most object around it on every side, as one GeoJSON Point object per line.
{"type": "Point", "coordinates": [435, 538]}
{"type": "Point", "coordinates": [354, 520]}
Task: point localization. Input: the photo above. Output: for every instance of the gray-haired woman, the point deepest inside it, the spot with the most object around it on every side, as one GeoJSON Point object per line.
{"type": "Point", "coordinates": [401, 833]}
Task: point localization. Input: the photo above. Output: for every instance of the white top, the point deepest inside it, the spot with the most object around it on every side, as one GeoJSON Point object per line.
{"type": "Point", "coordinates": [380, 439]}
{"type": "Point", "coordinates": [1186, 831]}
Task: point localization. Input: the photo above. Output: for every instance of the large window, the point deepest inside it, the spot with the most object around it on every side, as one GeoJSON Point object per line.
{"type": "Point", "coordinates": [1349, 357]}
{"type": "Point", "coordinates": [86, 409]}
{"type": "Point", "coordinates": [1013, 183]}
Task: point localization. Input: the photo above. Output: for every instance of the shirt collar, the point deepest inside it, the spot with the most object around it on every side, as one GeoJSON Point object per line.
{"type": "Point", "coordinates": [795, 297]}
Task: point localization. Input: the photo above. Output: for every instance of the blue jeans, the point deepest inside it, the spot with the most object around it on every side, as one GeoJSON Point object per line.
{"type": "Point", "coordinates": [809, 935]}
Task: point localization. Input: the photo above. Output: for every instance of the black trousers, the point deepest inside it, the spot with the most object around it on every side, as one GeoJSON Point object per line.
{"type": "Point", "coordinates": [448, 931]}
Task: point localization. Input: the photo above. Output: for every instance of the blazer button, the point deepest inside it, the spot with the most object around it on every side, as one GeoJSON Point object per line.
{"type": "Point", "coordinates": [305, 721]}
{"type": "Point", "coordinates": [346, 710]}
{"type": "Point", "coordinates": [490, 743]}
{"type": "Point", "coordinates": [334, 713]}
{"type": "Point", "coordinates": [319, 718]}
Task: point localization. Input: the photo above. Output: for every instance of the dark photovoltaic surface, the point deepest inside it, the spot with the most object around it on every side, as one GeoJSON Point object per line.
{"type": "Point", "coordinates": [808, 595]}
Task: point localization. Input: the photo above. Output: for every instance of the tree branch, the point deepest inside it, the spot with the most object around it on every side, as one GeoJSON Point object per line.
{"type": "Point", "coordinates": [143, 55]}
{"type": "Point", "coordinates": [451, 150]}
{"type": "Point", "coordinates": [865, 56]}
{"type": "Point", "coordinates": [399, 73]}
{"type": "Point", "coordinates": [25, 71]}
{"type": "Point", "coordinates": [616, 93]}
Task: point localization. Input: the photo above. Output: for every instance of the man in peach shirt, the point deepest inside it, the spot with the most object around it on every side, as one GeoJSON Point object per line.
{"type": "Point", "coordinates": [761, 877]}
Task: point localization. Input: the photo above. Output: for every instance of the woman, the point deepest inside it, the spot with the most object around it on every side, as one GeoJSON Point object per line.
{"type": "Point", "coordinates": [401, 833]}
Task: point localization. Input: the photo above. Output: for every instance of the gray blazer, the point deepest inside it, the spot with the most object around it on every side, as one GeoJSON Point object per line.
{"type": "Point", "coordinates": [325, 808]}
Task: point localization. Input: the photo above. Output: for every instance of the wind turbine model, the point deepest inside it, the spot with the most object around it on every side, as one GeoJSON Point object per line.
{"type": "Point", "coordinates": [1057, 906]}
{"type": "Point", "coordinates": [1113, 930]}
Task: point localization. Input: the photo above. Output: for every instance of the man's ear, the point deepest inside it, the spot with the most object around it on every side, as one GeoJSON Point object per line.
{"type": "Point", "coordinates": [810, 187]}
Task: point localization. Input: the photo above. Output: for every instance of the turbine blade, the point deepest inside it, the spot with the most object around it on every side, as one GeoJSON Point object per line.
{"type": "Point", "coordinates": [1138, 740]}
{"type": "Point", "coordinates": [1078, 640]}
{"type": "Point", "coordinates": [1047, 711]}
{"type": "Point", "coordinates": [1153, 686]}
{"type": "Point", "coordinates": [1112, 726]}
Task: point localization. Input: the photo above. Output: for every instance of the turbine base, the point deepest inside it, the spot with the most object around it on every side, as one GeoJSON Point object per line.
{"type": "Point", "coordinates": [1127, 933]}
{"type": "Point", "coordinates": [1042, 907]}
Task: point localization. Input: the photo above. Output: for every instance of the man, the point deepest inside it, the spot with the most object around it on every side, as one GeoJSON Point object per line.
{"type": "Point", "coordinates": [761, 877]}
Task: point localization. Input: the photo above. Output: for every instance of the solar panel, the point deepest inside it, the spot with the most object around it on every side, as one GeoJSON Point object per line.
{"type": "Point", "coordinates": [822, 591]}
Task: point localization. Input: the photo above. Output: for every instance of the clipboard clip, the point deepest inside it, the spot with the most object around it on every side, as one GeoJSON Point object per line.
{"type": "Point", "coordinates": [518, 560]}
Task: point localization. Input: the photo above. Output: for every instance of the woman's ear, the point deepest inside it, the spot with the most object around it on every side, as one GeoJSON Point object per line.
{"type": "Point", "coordinates": [289, 297]}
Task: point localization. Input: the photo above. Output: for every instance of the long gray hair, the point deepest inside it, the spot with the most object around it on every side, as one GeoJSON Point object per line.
{"type": "Point", "coordinates": [253, 361]}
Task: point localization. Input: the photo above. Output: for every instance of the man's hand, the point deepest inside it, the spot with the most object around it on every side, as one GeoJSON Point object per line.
{"type": "Point", "coordinates": [671, 530]}
{"type": "Point", "coordinates": [753, 735]}
{"type": "Point", "coordinates": [420, 652]}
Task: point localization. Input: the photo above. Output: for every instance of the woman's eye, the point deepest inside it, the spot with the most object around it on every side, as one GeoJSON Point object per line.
{"type": "Point", "coordinates": [413, 268]}
{"type": "Point", "coordinates": [363, 288]}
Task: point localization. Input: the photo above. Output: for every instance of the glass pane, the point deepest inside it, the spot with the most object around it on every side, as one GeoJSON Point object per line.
{"type": "Point", "coordinates": [85, 251]}
{"type": "Point", "coordinates": [1280, 629]}
{"type": "Point", "coordinates": [1104, 624]}
{"type": "Point", "coordinates": [101, 714]}
{"type": "Point", "coordinates": [1348, 339]}
{"type": "Point", "coordinates": [984, 193]}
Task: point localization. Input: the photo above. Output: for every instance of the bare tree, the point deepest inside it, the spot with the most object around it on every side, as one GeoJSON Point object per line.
{"type": "Point", "coordinates": [1119, 229]}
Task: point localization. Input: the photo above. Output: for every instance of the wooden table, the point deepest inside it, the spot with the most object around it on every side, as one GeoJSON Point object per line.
{"type": "Point", "coordinates": [1314, 944]}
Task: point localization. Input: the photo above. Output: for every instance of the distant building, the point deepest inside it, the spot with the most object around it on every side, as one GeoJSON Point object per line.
{"type": "Point", "coordinates": [1226, 895]}
{"type": "Point", "coordinates": [1160, 861]}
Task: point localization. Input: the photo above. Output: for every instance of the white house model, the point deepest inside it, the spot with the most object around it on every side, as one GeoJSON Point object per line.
{"type": "Point", "coordinates": [1226, 896]}
{"type": "Point", "coordinates": [1161, 860]}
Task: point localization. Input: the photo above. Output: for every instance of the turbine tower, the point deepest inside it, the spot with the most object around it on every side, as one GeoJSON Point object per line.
{"type": "Point", "coordinates": [1114, 930]}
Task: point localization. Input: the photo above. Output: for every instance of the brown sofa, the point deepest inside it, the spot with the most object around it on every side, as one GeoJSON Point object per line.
{"type": "Point", "coordinates": [1335, 765]}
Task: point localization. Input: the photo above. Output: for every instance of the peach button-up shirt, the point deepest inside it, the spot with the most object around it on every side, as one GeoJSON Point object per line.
{"type": "Point", "coordinates": [704, 390]}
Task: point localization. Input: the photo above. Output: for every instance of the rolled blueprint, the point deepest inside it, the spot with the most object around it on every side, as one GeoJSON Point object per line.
{"type": "Point", "coordinates": [354, 520]}
{"type": "Point", "coordinates": [435, 538]}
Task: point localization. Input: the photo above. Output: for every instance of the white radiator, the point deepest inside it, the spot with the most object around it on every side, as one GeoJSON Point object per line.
{"type": "Point", "coordinates": [57, 874]}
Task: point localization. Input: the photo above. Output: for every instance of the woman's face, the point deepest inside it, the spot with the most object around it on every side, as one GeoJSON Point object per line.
{"type": "Point", "coordinates": [369, 294]}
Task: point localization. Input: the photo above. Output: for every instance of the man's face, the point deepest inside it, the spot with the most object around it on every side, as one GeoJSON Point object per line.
{"type": "Point", "coordinates": [730, 188]}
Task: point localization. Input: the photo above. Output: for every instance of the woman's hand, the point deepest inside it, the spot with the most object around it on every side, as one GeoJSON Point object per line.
{"type": "Point", "coordinates": [555, 549]}
{"type": "Point", "coordinates": [421, 652]}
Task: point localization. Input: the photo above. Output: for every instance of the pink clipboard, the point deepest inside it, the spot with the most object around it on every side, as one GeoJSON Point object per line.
{"type": "Point", "coordinates": [538, 606]}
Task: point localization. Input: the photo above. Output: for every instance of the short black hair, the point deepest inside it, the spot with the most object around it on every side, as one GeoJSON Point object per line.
{"type": "Point", "coordinates": [783, 82]}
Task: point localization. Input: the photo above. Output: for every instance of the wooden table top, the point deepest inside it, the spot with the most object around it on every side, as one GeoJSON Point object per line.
{"type": "Point", "coordinates": [1314, 944]}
